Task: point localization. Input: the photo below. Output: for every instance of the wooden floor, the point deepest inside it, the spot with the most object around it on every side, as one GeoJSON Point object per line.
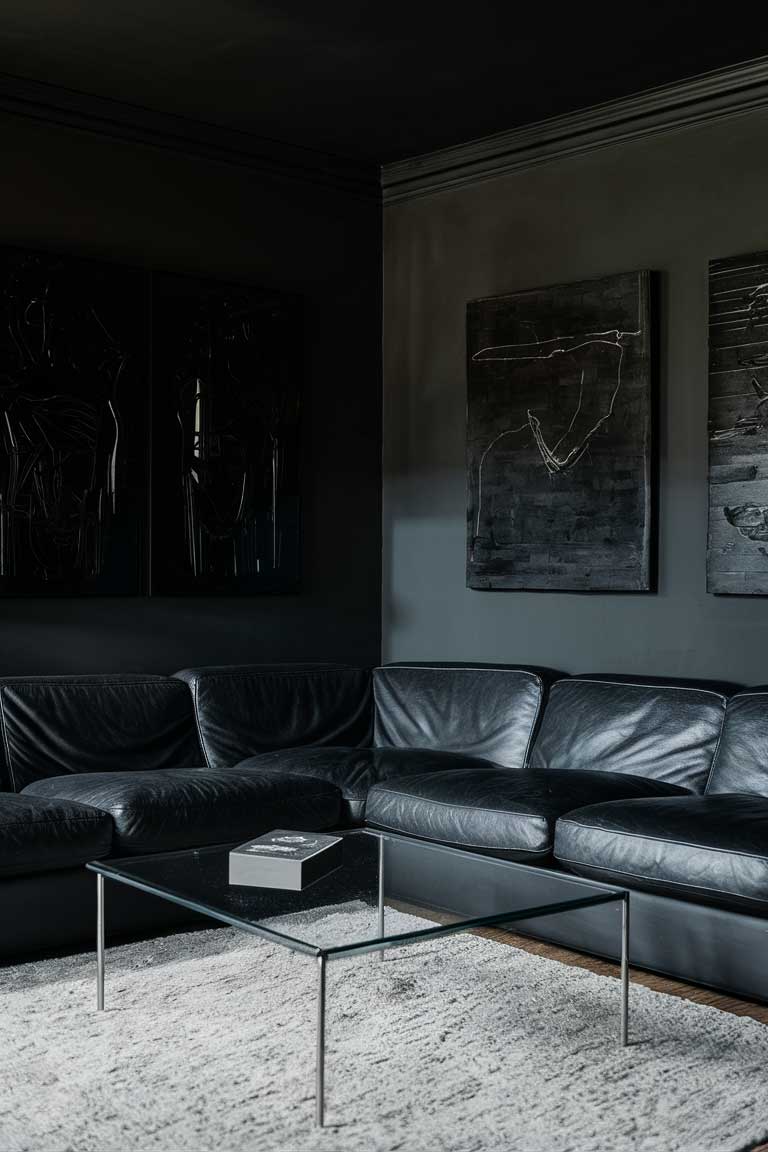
{"type": "Point", "coordinates": [734, 1004]}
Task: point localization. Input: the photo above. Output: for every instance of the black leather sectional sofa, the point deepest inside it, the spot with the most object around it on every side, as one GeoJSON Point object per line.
{"type": "Point", "coordinates": [661, 787]}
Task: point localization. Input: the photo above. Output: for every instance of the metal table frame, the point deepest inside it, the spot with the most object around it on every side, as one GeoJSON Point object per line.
{"type": "Point", "coordinates": [380, 946]}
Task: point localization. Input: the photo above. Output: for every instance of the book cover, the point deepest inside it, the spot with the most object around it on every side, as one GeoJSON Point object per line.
{"type": "Point", "coordinates": [284, 859]}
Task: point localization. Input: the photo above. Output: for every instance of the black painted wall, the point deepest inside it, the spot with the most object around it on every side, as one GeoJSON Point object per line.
{"type": "Point", "coordinates": [138, 205]}
{"type": "Point", "coordinates": [670, 203]}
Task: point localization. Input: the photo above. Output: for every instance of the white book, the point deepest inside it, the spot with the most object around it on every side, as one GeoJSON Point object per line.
{"type": "Point", "coordinates": [285, 859]}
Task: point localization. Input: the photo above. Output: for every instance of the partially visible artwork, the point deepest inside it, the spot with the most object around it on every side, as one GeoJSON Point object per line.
{"type": "Point", "coordinates": [73, 418]}
{"type": "Point", "coordinates": [560, 428]}
{"type": "Point", "coordinates": [737, 554]}
{"type": "Point", "coordinates": [227, 365]}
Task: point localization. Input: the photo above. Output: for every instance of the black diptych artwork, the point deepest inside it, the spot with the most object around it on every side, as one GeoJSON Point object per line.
{"type": "Point", "coordinates": [560, 424]}
{"type": "Point", "coordinates": [737, 556]}
{"type": "Point", "coordinates": [130, 398]}
{"type": "Point", "coordinates": [226, 375]}
{"type": "Point", "coordinates": [73, 420]}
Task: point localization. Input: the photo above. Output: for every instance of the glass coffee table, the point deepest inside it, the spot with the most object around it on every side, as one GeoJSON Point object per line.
{"type": "Point", "coordinates": [376, 868]}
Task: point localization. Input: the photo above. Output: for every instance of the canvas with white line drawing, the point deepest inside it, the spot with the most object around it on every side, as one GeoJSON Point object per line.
{"type": "Point", "coordinates": [560, 437]}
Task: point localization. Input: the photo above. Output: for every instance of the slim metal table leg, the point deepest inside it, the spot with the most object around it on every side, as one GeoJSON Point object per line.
{"type": "Point", "coordinates": [380, 953]}
{"type": "Point", "coordinates": [100, 942]}
{"type": "Point", "coordinates": [320, 1066]}
{"type": "Point", "coordinates": [625, 970]}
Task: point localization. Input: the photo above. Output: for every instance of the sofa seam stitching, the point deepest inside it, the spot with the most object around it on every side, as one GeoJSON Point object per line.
{"type": "Point", "coordinates": [534, 726]}
{"type": "Point", "coordinates": [98, 814]}
{"type": "Point", "coordinates": [427, 668]}
{"type": "Point", "coordinates": [436, 840]}
{"type": "Point", "coordinates": [660, 840]}
{"type": "Point", "coordinates": [42, 682]}
{"type": "Point", "coordinates": [717, 749]}
{"type": "Point", "coordinates": [253, 675]}
{"type": "Point", "coordinates": [121, 809]}
{"type": "Point", "coordinates": [661, 880]}
{"type": "Point", "coordinates": [639, 684]}
{"type": "Point", "coordinates": [464, 807]}
{"type": "Point", "coordinates": [198, 725]}
{"type": "Point", "coordinates": [510, 812]}
{"type": "Point", "coordinates": [6, 746]}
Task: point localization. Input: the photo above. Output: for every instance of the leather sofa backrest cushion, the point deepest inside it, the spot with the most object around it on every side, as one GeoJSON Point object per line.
{"type": "Point", "coordinates": [663, 732]}
{"type": "Point", "coordinates": [55, 725]}
{"type": "Point", "coordinates": [486, 711]}
{"type": "Point", "coordinates": [251, 708]}
{"type": "Point", "coordinates": [741, 763]}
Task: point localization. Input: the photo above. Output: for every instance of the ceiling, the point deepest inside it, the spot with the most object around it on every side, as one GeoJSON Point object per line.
{"type": "Point", "coordinates": [379, 81]}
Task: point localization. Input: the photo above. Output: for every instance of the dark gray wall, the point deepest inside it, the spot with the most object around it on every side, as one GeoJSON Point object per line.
{"type": "Point", "coordinates": [89, 195]}
{"type": "Point", "coordinates": [669, 203]}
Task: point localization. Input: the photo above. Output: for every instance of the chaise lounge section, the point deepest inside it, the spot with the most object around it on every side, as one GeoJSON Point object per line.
{"type": "Point", "coordinates": [98, 766]}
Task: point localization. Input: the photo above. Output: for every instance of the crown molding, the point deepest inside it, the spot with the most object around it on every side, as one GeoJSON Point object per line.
{"type": "Point", "coordinates": [703, 99]}
{"type": "Point", "coordinates": [718, 95]}
{"type": "Point", "coordinates": [52, 104]}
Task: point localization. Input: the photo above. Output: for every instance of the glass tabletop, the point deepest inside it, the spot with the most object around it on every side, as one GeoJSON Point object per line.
{"type": "Point", "coordinates": [340, 914]}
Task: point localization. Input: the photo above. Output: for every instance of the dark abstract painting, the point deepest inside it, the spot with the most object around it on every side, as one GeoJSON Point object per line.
{"type": "Point", "coordinates": [560, 427]}
{"type": "Point", "coordinates": [737, 555]}
{"type": "Point", "coordinates": [73, 417]}
{"type": "Point", "coordinates": [227, 365]}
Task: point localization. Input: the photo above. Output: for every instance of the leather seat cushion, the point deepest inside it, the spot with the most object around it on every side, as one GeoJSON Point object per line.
{"type": "Point", "coordinates": [703, 848]}
{"type": "Point", "coordinates": [355, 770]}
{"type": "Point", "coordinates": [44, 835]}
{"type": "Point", "coordinates": [494, 810]}
{"type": "Point", "coordinates": [192, 807]}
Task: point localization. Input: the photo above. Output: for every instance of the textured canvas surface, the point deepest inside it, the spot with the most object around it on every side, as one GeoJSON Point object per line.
{"type": "Point", "coordinates": [227, 365]}
{"type": "Point", "coordinates": [74, 413]}
{"type": "Point", "coordinates": [559, 437]}
{"type": "Point", "coordinates": [456, 1045]}
{"type": "Point", "coordinates": [737, 556]}
{"type": "Point", "coordinates": [128, 397]}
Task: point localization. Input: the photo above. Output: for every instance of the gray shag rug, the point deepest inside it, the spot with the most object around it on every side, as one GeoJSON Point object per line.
{"type": "Point", "coordinates": [456, 1045]}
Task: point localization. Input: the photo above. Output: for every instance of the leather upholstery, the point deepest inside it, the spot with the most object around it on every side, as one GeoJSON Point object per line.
{"type": "Point", "coordinates": [55, 911]}
{"type": "Point", "coordinates": [662, 732]}
{"type": "Point", "coordinates": [510, 814]}
{"type": "Point", "coordinates": [42, 835]}
{"type": "Point", "coordinates": [488, 711]}
{"type": "Point", "coordinates": [247, 709]}
{"type": "Point", "coordinates": [193, 807]}
{"type": "Point", "coordinates": [741, 764]}
{"type": "Point", "coordinates": [709, 848]}
{"type": "Point", "coordinates": [58, 724]}
{"type": "Point", "coordinates": [355, 770]}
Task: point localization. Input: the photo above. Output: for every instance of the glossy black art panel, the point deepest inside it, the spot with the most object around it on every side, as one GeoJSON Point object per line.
{"type": "Point", "coordinates": [560, 431]}
{"type": "Point", "coordinates": [73, 425]}
{"type": "Point", "coordinates": [737, 554]}
{"type": "Point", "coordinates": [227, 366]}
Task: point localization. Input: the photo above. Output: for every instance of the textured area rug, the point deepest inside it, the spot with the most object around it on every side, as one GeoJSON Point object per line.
{"type": "Point", "coordinates": [456, 1045]}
